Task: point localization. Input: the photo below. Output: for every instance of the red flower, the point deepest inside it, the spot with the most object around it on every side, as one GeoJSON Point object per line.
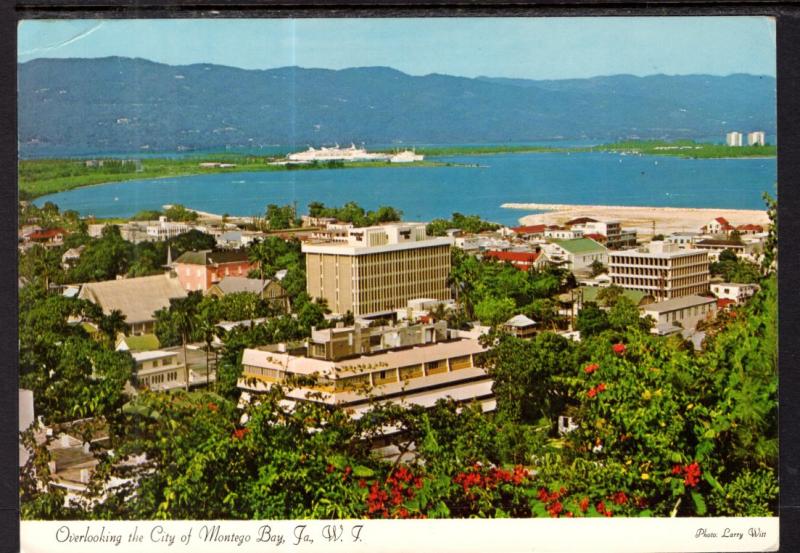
{"type": "Point", "coordinates": [589, 369]}
{"type": "Point", "coordinates": [601, 508]}
{"type": "Point", "coordinates": [362, 483]}
{"type": "Point", "coordinates": [584, 504]}
{"type": "Point", "coordinates": [592, 392]}
{"type": "Point", "coordinates": [555, 509]}
{"type": "Point", "coordinates": [601, 387]}
{"type": "Point", "coordinates": [692, 474]}
{"type": "Point", "coordinates": [240, 433]}
{"type": "Point", "coordinates": [620, 498]}
{"type": "Point", "coordinates": [213, 407]}
{"type": "Point", "coordinates": [543, 495]}
{"type": "Point", "coordinates": [329, 469]}
{"type": "Point", "coordinates": [677, 469]}
{"type": "Point", "coordinates": [619, 349]}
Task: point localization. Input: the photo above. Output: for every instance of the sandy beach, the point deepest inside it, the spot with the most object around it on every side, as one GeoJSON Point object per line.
{"type": "Point", "coordinates": [665, 220]}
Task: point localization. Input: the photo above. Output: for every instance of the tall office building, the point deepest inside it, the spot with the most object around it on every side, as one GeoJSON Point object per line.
{"type": "Point", "coordinates": [375, 270]}
{"type": "Point", "coordinates": [662, 270]}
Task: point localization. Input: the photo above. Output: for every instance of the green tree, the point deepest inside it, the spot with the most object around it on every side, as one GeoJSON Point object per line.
{"type": "Point", "coordinates": [178, 212]}
{"type": "Point", "coordinates": [591, 319]}
{"type": "Point", "coordinates": [191, 241]}
{"type": "Point", "coordinates": [280, 217]}
{"type": "Point", "coordinates": [104, 258]}
{"type": "Point", "coordinates": [597, 268]}
{"type": "Point", "coordinates": [494, 311]}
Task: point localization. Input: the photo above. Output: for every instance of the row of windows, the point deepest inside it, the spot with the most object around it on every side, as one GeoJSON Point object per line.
{"type": "Point", "coordinates": [659, 261]}
{"type": "Point", "coordinates": [376, 377]}
{"type": "Point", "coordinates": [663, 283]}
{"type": "Point", "coordinates": [681, 314]}
{"type": "Point", "coordinates": [156, 379]}
{"type": "Point", "coordinates": [158, 363]}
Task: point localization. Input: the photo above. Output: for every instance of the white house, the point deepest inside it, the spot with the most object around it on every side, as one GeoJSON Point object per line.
{"type": "Point", "coordinates": [577, 254]}
{"type": "Point", "coordinates": [733, 291]}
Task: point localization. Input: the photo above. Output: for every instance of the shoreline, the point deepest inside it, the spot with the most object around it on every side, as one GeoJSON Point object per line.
{"type": "Point", "coordinates": [32, 195]}
{"type": "Point", "coordinates": [646, 220]}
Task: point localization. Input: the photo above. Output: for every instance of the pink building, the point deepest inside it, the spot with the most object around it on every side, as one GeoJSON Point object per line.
{"type": "Point", "coordinates": [201, 270]}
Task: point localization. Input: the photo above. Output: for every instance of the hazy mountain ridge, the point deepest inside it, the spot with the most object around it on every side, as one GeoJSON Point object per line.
{"type": "Point", "coordinates": [123, 104]}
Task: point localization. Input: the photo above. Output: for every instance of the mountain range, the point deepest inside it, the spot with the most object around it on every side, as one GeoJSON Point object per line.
{"type": "Point", "coordinates": [114, 104]}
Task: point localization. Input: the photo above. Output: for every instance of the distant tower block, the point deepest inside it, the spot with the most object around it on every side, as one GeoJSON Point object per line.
{"type": "Point", "coordinates": [733, 139]}
{"type": "Point", "coordinates": [756, 138]}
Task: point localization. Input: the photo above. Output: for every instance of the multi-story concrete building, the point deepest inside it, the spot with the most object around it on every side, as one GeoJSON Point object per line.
{"type": "Point", "coordinates": [375, 270]}
{"type": "Point", "coordinates": [201, 270]}
{"type": "Point", "coordinates": [661, 269]}
{"type": "Point", "coordinates": [733, 138]}
{"type": "Point", "coordinates": [350, 368]}
{"type": "Point", "coordinates": [164, 229]}
{"type": "Point", "coordinates": [757, 138]}
{"type": "Point", "coordinates": [615, 236]}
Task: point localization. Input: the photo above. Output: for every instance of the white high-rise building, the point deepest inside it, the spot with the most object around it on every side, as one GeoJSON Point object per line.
{"type": "Point", "coordinates": [756, 138]}
{"type": "Point", "coordinates": [733, 138]}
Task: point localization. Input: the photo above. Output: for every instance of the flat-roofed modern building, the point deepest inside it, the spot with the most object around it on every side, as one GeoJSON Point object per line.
{"type": "Point", "coordinates": [680, 313]}
{"type": "Point", "coordinates": [375, 270]}
{"type": "Point", "coordinates": [662, 270]}
{"type": "Point", "coordinates": [419, 375]}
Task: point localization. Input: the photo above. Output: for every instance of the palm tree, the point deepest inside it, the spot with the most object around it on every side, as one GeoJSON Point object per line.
{"type": "Point", "coordinates": [261, 253]}
{"type": "Point", "coordinates": [183, 318]}
{"type": "Point", "coordinates": [113, 324]}
{"type": "Point", "coordinates": [206, 326]}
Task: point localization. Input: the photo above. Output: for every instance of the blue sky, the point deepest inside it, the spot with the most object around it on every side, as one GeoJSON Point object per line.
{"type": "Point", "coordinates": [535, 48]}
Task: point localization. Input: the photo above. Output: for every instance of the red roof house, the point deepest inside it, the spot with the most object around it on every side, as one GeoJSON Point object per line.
{"type": "Point", "coordinates": [521, 260]}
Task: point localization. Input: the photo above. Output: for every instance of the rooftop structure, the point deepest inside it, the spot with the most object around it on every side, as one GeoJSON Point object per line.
{"type": "Point", "coordinates": [137, 298]}
{"type": "Point", "coordinates": [377, 269]}
{"type": "Point", "coordinates": [661, 269]}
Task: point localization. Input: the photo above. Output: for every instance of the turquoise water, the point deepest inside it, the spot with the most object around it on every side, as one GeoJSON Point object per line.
{"type": "Point", "coordinates": [424, 193]}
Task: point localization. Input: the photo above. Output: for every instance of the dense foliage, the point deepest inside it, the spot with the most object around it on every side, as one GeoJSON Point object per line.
{"type": "Point", "coordinates": [467, 223]}
{"type": "Point", "coordinates": [353, 213]}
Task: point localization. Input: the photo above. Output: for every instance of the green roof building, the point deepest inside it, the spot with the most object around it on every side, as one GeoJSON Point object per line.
{"type": "Point", "coordinates": [576, 254]}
